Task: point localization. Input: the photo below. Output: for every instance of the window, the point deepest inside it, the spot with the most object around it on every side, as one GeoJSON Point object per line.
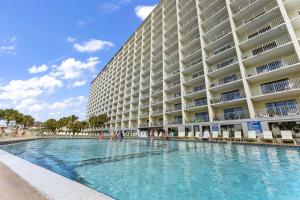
{"type": "Point", "coordinates": [264, 48]}
{"type": "Point", "coordinates": [224, 64]}
{"type": "Point", "coordinates": [234, 113]}
{"type": "Point", "coordinates": [282, 108]}
{"type": "Point", "coordinates": [221, 49]}
{"type": "Point", "coordinates": [200, 102]}
{"type": "Point", "coordinates": [228, 79]}
{"type": "Point", "coordinates": [275, 86]}
{"type": "Point", "coordinates": [198, 88]}
{"type": "Point", "coordinates": [178, 119]}
{"type": "Point", "coordinates": [229, 96]}
{"type": "Point", "coordinates": [259, 32]}
{"type": "Point", "coordinates": [269, 67]}
{"type": "Point", "coordinates": [201, 117]}
{"type": "Point", "coordinates": [177, 106]}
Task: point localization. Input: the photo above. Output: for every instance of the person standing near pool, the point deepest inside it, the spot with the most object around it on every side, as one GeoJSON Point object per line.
{"type": "Point", "coordinates": [121, 136]}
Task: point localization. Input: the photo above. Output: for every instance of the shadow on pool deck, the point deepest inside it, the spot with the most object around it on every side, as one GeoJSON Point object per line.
{"type": "Point", "coordinates": [13, 187]}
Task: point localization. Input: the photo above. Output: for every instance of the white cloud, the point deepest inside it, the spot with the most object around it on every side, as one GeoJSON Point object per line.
{"type": "Point", "coordinates": [9, 46]}
{"type": "Point", "coordinates": [71, 39]}
{"type": "Point", "coordinates": [111, 6]}
{"type": "Point", "coordinates": [79, 83]}
{"type": "Point", "coordinates": [72, 68]}
{"type": "Point", "coordinates": [143, 11]}
{"type": "Point", "coordinates": [23, 89]}
{"type": "Point", "coordinates": [92, 46]}
{"type": "Point", "coordinates": [37, 69]}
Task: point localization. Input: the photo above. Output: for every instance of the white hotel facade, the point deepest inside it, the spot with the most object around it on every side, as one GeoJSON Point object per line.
{"type": "Point", "coordinates": [196, 65]}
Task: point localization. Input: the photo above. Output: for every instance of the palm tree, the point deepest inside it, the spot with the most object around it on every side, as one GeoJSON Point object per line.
{"type": "Point", "coordinates": [51, 125]}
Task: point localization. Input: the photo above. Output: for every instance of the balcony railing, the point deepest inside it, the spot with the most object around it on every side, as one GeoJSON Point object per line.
{"type": "Point", "coordinates": [223, 64]}
{"type": "Point", "coordinates": [157, 112]}
{"type": "Point", "coordinates": [195, 89]}
{"type": "Point", "coordinates": [198, 120]}
{"type": "Point", "coordinates": [196, 104]}
{"type": "Point", "coordinates": [226, 80]}
{"type": "Point", "coordinates": [175, 122]}
{"type": "Point", "coordinates": [279, 111]}
{"type": "Point", "coordinates": [174, 109]}
{"type": "Point", "coordinates": [193, 63]}
{"type": "Point", "coordinates": [256, 14]}
{"type": "Point", "coordinates": [274, 65]}
{"type": "Point", "coordinates": [157, 124]}
{"type": "Point", "coordinates": [194, 76]}
{"type": "Point", "coordinates": [172, 97]}
{"type": "Point", "coordinates": [281, 86]}
{"type": "Point", "coordinates": [228, 97]}
{"type": "Point", "coordinates": [215, 24]}
{"type": "Point", "coordinates": [232, 116]}
{"type": "Point", "coordinates": [267, 46]}
{"type": "Point", "coordinates": [157, 101]}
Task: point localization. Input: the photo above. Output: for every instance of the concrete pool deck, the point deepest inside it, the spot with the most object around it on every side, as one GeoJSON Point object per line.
{"type": "Point", "coordinates": [34, 180]}
{"type": "Point", "coordinates": [13, 187]}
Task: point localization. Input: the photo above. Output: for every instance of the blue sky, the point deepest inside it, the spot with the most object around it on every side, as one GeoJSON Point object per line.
{"type": "Point", "coordinates": [50, 50]}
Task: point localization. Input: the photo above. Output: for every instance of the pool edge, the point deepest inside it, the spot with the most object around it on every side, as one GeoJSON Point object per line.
{"type": "Point", "coordinates": [50, 184]}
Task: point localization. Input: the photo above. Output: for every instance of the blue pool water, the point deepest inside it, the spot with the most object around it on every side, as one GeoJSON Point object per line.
{"type": "Point", "coordinates": [152, 170]}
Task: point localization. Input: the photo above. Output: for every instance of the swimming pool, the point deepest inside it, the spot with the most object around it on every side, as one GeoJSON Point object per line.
{"type": "Point", "coordinates": [151, 170]}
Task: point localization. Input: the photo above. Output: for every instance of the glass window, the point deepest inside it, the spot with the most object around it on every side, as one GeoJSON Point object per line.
{"type": "Point", "coordinates": [201, 116]}
{"type": "Point", "coordinates": [282, 108]}
{"type": "Point", "coordinates": [275, 86]}
{"type": "Point", "coordinates": [232, 95]}
{"type": "Point", "coordinates": [200, 102]}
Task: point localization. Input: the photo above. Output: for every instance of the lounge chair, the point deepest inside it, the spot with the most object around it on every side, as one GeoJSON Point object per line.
{"type": "Point", "coordinates": [225, 135]}
{"type": "Point", "coordinates": [215, 135]}
{"type": "Point", "coordinates": [286, 136]}
{"type": "Point", "coordinates": [251, 136]}
{"type": "Point", "coordinates": [268, 136]}
{"type": "Point", "coordinates": [206, 135]}
{"type": "Point", "coordinates": [238, 135]}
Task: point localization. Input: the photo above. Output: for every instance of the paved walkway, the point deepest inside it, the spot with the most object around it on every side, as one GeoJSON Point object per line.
{"type": "Point", "coordinates": [13, 187]}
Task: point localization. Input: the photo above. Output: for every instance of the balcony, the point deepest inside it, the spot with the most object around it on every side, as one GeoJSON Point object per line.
{"type": "Point", "coordinates": [225, 67]}
{"type": "Point", "coordinates": [281, 88]}
{"type": "Point", "coordinates": [171, 75]}
{"type": "Point", "coordinates": [173, 98]}
{"type": "Point", "coordinates": [144, 115]}
{"type": "Point", "coordinates": [197, 120]}
{"type": "Point", "coordinates": [238, 115]}
{"type": "Point", "coordinates": [157, 124]}
{"type": "Point", "coordinates": [157, 101]}
{"type": "Point", "coordinates": [196, 91]}
{"type": "Point", "coordinates": [279, 111]}
{"type": "Point", "coordinates": [248, 23]}
{"type": "Point", "coordinates": [230, 98]}
{"type": "Point", "coordinates": [194, 78]}
{"type": "Point", "coordinates": [157, 112]}
{"type": "Point", "coordinates": [196, 105]}
{"type": "Point", "coordinates": [174, 110]}
{"type": "Point", "coordinates": [157, 92]}
{"type": "Point", "coordinates": [173, 86]}
{"type": "Point", "coordinates": [227, 82]}
{"type": "Point", "coordinates": [175, 122]}
{"type": "Point", "coordinates": [276, 68]}
{"type": "Point", "coordinates": [268, 51]}
{"type": "Point", "coordinates": [216, 26]}
{"type": "Point", "coordinates": [263, 32]}
{"type": "Point", "coordinates": [193, 64]}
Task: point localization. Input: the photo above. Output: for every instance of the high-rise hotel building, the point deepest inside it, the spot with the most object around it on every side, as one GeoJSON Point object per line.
{"type": "Point", "coordinates": [197, 65]}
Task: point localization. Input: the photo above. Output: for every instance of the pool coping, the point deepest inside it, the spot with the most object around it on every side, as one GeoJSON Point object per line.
{"type": "Point", "coordinates": [52, 185]}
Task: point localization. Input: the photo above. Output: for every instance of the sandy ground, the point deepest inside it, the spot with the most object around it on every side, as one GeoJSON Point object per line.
{"type": "Point", "coordinates": [13, 187]}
